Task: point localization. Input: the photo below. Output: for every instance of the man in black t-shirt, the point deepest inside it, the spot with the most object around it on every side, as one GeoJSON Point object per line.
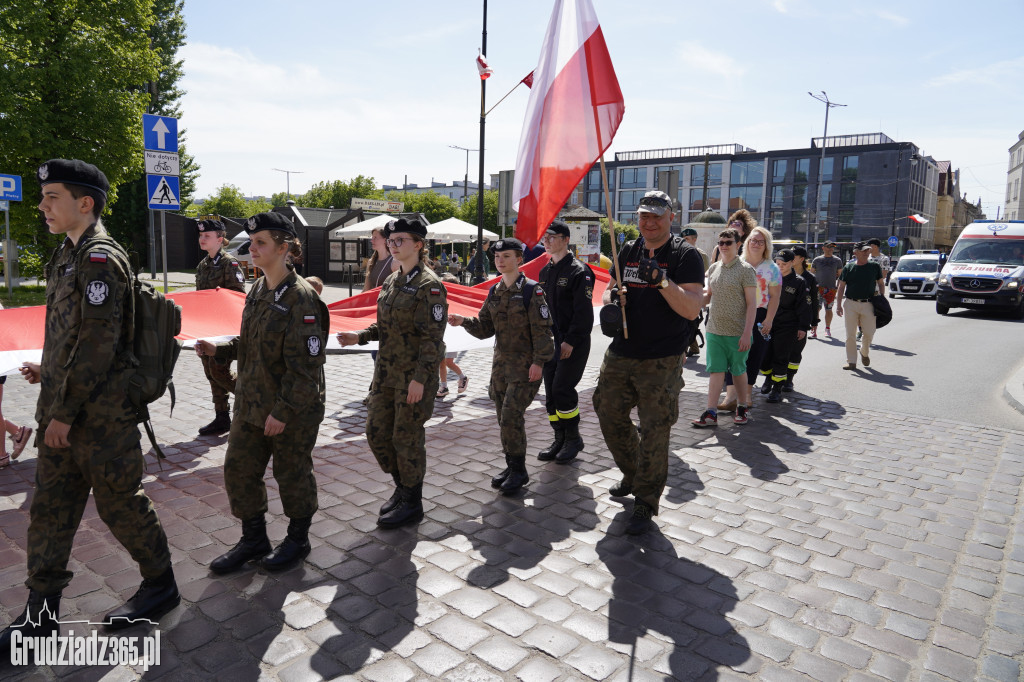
{"type": "Point", "coordinates": [663, 284]}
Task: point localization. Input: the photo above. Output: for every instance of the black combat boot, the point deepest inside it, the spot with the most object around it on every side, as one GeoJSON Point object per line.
{"type": "Point", "coordinates": [573, 443]}
{"type": "Point", "coordinates": [640, 522]}
{"type": "Point", "coordinates": [293, 549]}
{"type": "Point", "coordinates": [408, 510]}
{"type": "Point", "coordinates": [254, 545]}
{"type": "Point", "coordinates": [39, 619]}
{"type": "Point", "coordinates": [621, 489]}
{"type": "Point", "coordinates": [496, 481]}
{"type": "Point", "coordinates": [219, 426]}
{"type": "Point", "coordinates": [551, 451]}
{"type": "Point", "coordinates": [787, 385]}
{"type": "Point", "coordinates": [776, 394]}
{"type": "Point", "coordinates": [767, 388]}
{"type": "Point", "coordinates": [393, 500]}
{"type": "Point", "coordinates": [154, 598]}
{"type": "Point", "coordinates": [517, 476]}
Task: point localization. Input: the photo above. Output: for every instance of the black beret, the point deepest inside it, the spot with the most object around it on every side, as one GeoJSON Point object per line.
{"type": "Point", "coordinates": [558, 227]}
{"type": "Point", "coordinates": [73, 172]}
{"type": "Point", "coordinates": [270, 221]}
{"type": "Point", "coordinates": [388, 228]}
{"type": "Point", "coordinates": [210, 224]}
{"type": "Point", "coordinates": [409, 226]}
{"type": "Point", "coordinates": [510, 244]}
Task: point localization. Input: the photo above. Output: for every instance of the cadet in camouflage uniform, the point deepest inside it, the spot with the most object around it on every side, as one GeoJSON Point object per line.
{"type": "Point", "coordinates": [411, 310]}
{"type": "Point", "coordinates": [218, 269]}
{"type": "Point", "coordinates": [88, 437]}
{"type": "Point", "coordinates": [516, 314]}
{"type": "Point", "coordinates": [664, 283]}
{"type": "Point", "coordinates": [279, 402]}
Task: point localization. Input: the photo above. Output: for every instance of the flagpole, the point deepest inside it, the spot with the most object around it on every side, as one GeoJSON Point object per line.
{"type": "Point", "coordinates": [503, 98]}
{"type": "Point", "coordinates": [479, 275]}
{"type": "Point", "coordinates": [611, 234]}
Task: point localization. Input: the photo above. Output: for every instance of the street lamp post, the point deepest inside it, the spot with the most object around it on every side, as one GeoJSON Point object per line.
{"type": "Point", "coordinates": [465, 185]}
{"type": "Point", "coordinates": [821, 164]}
{"type": "Point", "coordinates": [896, 192]}
{"type": "Point", "coordinates": [288, 178]}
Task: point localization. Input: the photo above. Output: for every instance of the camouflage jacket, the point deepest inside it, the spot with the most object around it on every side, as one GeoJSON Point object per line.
{"type": "Point", "coordinates": [86, 351]}
{"type": "Point", "coordinates": [223, 270]}
{"type": "Point", "coordinates": [280, 352]}
{"type": "Point", "coordinates": [522, 337]}
{"type": "Point", "coordinates": [412, 311]}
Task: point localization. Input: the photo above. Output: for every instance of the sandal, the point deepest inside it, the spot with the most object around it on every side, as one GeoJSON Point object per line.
{"type": "Point", "coordinates": [24, 433]}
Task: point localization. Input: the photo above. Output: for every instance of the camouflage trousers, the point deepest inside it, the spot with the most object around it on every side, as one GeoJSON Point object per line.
{"type": "Point", "coordinates": [395, 431]}
{"type": "Point", "coordinates": [652, 386]}
{"type": "Point", "coordinates": [222, 381]}
{"type": "Point", "coordinates": [511, 398]}
{"type": "Point", "coordinates": [111, 465]}
{"type": "Point", "coordinates": [249, 453]}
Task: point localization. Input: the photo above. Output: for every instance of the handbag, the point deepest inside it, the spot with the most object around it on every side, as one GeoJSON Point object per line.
{"type": "Point", "coordinates": [883, 311]}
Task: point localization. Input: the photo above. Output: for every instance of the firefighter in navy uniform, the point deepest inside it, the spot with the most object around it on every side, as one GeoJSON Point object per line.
{"type": "Point", "coordinates": [217, 269]}
{"type": "Point", "coordinates": [800, 268]}
{"type": "Point", "coordinates": [516, 314]}
{"type": "Point", "coordinates": [569, 286]}
{"type": "Point", "coordinates": [792, 320]}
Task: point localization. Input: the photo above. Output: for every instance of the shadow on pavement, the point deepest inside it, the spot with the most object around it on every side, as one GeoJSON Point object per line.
{"type": "Point", "coordinates": [655, 590]}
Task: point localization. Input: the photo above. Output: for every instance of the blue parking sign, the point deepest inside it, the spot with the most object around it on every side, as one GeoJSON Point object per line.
{"type": "Point", "coordinates": [10, 187]}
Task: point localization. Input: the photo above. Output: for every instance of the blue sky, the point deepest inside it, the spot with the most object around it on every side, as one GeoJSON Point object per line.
{"type": "Point", "coordinates": [335, 88]}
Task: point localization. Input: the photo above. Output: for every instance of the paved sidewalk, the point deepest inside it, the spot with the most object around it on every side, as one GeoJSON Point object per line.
{"type": "Point", "coordinates": [817, 542]}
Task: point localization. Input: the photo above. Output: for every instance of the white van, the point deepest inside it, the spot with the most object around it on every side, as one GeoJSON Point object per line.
{"type": "Point", "coordinates": [916, 274]}
{"type": "Point", "coordinates": [985, 270]}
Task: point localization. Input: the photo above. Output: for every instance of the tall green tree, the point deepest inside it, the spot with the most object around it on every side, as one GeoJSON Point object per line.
{"type": "Point", "coordinates": [468, 210]}
{"type": "Point", "coordinates": [69, 87]}
{"type": "Point", "coordinates": [229, 202]}
{"type": "Point", "coordinates": [339, 194]}
{"type": "Point", "coordinates": [436, 207]}
{"type": "Point", "coordinates": [129, 218]}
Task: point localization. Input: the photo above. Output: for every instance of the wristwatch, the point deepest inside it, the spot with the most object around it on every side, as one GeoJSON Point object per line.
{"type": "Point", "coordinates": [663, 284]}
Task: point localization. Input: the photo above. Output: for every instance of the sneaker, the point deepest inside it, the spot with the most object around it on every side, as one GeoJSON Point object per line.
{"type": "Point", "coordinates": [860, 335]}
{"type": "Point", "coordinates": [24, 433]}
{"type": "Point", "coordinates": [741, 415]}
{"type": "Point", "coordinates": [442, 392]}
{"type": "Point", "coordinates": [463, 383]}
{"type": "Point", "coordinates": [828, 332]}
{"type": "Point", "coordinates": [814, 333]}
{"type": "Point", "coordinates": [708, 418]}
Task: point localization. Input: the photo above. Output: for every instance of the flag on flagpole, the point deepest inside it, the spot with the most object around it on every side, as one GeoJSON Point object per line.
{"type": "Point", "coordinates": [528, 81]}
{"type": "Point", "coordinates": [483, 68]}
{"type": "Point", "coordinates": [919, 219]}
{"type": "Point", "coordinates": [574, 110]}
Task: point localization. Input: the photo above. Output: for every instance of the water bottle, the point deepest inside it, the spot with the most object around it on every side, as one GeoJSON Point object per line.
{"type": "Point", "coordinates": [766, 336]}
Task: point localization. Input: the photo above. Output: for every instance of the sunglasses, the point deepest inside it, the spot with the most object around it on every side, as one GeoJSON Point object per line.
{"type": "Point", "coordinates": [726, 242]}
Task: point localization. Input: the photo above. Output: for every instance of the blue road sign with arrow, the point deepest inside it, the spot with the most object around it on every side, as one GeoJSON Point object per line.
{"type": "Point", "coordinates": [160, 133]}
{"type": "Point", "coordinates": [164, 192]}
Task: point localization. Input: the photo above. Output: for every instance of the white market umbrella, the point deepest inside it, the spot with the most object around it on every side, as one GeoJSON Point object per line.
{"type": "Point", "coordinates": [364, 229]}
{"type": "Point", "coordinates": [455, 230]}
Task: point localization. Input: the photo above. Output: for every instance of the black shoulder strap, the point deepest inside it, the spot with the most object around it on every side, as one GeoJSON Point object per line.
{"type": "Point", "coordinates": [528, 287]}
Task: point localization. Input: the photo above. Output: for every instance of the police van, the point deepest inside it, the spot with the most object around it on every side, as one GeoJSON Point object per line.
{"type": "Point", "coordinates": [916, 274]}
{"type": "Point", "coordinates": [985, 270]}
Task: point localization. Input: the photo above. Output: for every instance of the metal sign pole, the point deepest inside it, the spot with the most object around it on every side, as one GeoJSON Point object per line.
{"type": "Point", "coordinates": [163, 244]}
{"type": "Point", "coordinates": [7, 251]}
{"type": "Point", "coordinates": [152, 244]}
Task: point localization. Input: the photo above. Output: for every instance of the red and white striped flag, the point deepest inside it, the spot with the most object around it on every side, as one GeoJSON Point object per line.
{"type": "Point", "coordinates": [574, 110]}
{"type": "Point", "coordinates": [483, 68]}
{"type": "Point", "coordinates": [919, 219]}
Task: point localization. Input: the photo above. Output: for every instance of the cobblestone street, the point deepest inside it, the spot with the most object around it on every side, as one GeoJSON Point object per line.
{"type": "Point", "coordinates": [818, 542]}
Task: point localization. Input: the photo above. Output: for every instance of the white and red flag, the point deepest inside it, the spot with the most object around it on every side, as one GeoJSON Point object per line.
{"type": "Point", "coordinates": [574, 110]}
{"type": "Point", "coordinates": [483, 68]}
{"type": "Point", "coordinates": [919, 219]}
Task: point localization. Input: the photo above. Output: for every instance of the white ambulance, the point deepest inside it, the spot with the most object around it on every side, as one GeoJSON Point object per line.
{"type": "Point", "coordinates": [985, 270]}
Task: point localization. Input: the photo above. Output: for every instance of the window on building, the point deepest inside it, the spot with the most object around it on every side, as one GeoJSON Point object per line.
{"type": "Point", "coordinates": [747, 173]}
{"type": "Point", "coordinates": [848, 194]}
{"type": "Point", "coordinates": [714, 174]}
{"type": "Point", "coordinates": [697, 198]}
{"type": "Point", "coordinates": [627, 218]}
{"type": "Point", "coordinates": [658, 170]}
{"type": "Point", "coordinates": [1016, 188]}
{"type": "Point", "coordinates": [775, 223]}
{"type": "Point", "coordinates": [632, 177]}
{"type": "Point", "coordinates": [800, 170]}
{"type": "Point", "coordinates": [745, 197]}
{"type": "Point", "coordinates": [778, 170]}
{"type": "Point", "coordinates": [594, 179]}
{"type": "Point", "coordinates": [595, 201]}
{"type": "Point", "coordinates": [799, 222]}
{"type": "Point", "coordinates": [844, 233]}
{"type": "Point", "coordinates": [778, 196]}
{"type": "Point", "coordinates": [850, 167]}
{"type": "Point", "coordinates": [629, 200]}
{"type": "Point", "coordinates": [800, 196]}
{"type": "Point", "coordinates": [826, 168]}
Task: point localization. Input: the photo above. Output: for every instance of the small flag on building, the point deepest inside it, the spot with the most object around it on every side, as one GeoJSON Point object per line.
{"type": "Point", "coordinates": [919, 219]}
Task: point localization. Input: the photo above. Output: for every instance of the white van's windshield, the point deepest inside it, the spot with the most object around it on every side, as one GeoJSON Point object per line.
{"type": "Point", "coordinates": [989, 251]}
{"type": "Point", "coordinates": [907, 264]}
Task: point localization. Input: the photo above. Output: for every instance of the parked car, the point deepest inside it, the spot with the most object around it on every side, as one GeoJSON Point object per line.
{"type": "Point", "coordinates": [239, 248]}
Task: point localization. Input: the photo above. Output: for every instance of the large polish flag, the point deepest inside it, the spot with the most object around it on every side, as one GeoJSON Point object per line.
{"type": "Point", "coordinates": [574, 110]}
